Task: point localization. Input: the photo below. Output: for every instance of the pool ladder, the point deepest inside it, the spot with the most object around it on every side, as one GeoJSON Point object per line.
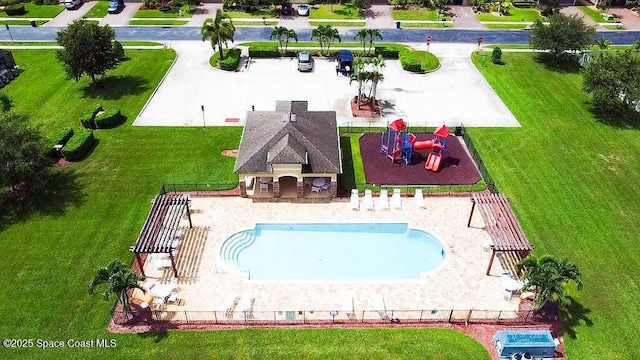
{"type": "Point", "coordinates": [232, 248]}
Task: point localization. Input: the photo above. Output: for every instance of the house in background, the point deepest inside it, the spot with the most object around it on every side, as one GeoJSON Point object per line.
{"type": "Point", "coordinates": [290, 153]}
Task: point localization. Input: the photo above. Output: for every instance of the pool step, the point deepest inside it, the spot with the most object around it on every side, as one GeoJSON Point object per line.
{"type": "Point", "coordinates": [232, 248]}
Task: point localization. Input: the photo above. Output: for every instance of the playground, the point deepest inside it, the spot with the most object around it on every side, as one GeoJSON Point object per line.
{"type": "Point", "coordinates": [397, 156]}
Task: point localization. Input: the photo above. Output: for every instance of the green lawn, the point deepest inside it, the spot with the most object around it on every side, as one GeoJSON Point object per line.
{"type": "Point", "coordinates": [267, 13]}
{"type": "Point", "coordinates": [158, 22]}
{"type": "Point", "coordinates": [53, 43]}
{"type": "Point", "coordinates": [339, 23]}
{"type": "Point", "coordinates": [99, 10]}
{"type": "Point", "coordinates": [314, 44]}
{"type": "Point", "coordinates": [573, 182]}
{"type": "Point", "coordinates": [21, 22]}
{"type": "Point", "coordinates": [617, 26]}
{"type": "Point", "coordinates": [348, 12]}
{"type": "Point", "coordinates": [255, 23]}
{"type": "Point", "coordinates": [505, 26]}
{"type": "Point", "coordinates": [37, 11]}
{"type": "Point", "coordinates": [517, 15]}
{"type": "Point", "coordinates": [427, 25]}
{"type": "Point", "coordinates": [595, 15]}
{"type": "Point", "coordinates": [95, 210]}
{"type": "Point", "coordinates": [157, 14]}
{"type": "Point", "coordinates": [417, 15]}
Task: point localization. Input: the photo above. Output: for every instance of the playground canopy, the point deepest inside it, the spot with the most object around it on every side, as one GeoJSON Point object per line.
{"type": "Point", "coordinates": [503, 227]}
{"type": "Point", "coordinates": [442, 131]}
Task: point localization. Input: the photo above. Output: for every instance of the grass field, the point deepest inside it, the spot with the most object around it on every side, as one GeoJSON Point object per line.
{"type": "Point", "coordinates": [428, 25]}
{"type": "Point", "coordinates": [167, 22]}
{"type": "Point", "coordinates": [517, 15]}
{"type": "Point", "coordinates": [595, 15]}
{"type": "Point", "coordinates": [572, 180]}
{"type": "Point", "coordinates": [505, 26]}
{"type": "Point", "coordinates": [255, 23]}
{"type": "Point", "coordinates": [37, 11]}
{"type": "Point", "coordinates": [157, 14]}
{"type": "Point", "coordinates": [340, 12]}
{"type": "Point", "coordinates": [339, 23]}
{"type": "Point", "coordinates": [94, 211]}
{"type": "Point", "coordinates": [417, 15]}
{"type": "Point", "coordinates": [21, 22]}
{"type": "Point", "coordinates": [99, 10]}
{"type": "Point", "coordinates": [259, 14]}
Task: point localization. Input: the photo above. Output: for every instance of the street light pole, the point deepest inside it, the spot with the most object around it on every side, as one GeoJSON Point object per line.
{"type": "Point", "coordinates": [7, 26]}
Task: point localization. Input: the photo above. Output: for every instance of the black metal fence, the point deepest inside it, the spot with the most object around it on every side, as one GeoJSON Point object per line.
{"type": "Point", "coordinates": [199, 189]}
{"type": "Point", "coordinates": [491, 185]}
{"type": "Point", "coordinates": [328, 317]}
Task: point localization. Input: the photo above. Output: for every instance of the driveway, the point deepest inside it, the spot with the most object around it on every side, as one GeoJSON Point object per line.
{"type": "Point", "coordinates": [66, 17]}
{"type": "Point", "coordinates": [122, 19]}
{"type": "Point", "coordinates": [455, 93]}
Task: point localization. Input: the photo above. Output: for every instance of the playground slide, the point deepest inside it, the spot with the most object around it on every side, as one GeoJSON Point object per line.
{"type": "Point", "coordinates": [433, 162]}
{"type": "Point", "coordinates": [421, 145]}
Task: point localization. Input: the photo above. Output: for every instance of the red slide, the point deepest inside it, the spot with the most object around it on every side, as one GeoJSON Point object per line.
{"type": "Point", "coordinates": [433, 162]}
{"type": "Point", "coordinates": [421, 145]}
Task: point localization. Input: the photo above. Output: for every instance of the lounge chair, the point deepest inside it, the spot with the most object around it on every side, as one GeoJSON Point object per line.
{"type": "Point", "coordinates": [347, 306]}
{"type": "Point", "coordinates": [354, 200]}
{"type": "Point", "coordinates": [419, 199]}
{"type": "Point", "coordinates": [379, 306]}
{"type": "Point", "coordinates": [383, 200]}
{"type": "Point", "coordinates": [228, 303]}
{"type": "Point", "coordinates": [367, 202]}
{"type": "Point", "coordinates": [245, 305]}
{"type": "Point", "coordinates": [396, 200]}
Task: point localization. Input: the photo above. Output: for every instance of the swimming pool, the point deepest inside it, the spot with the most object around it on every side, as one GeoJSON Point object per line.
{"type": "Point", "coordinates": [333, 252]}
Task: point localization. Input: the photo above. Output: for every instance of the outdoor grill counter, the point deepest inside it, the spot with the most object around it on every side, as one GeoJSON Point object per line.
{"type": "Point", "coordinates": [538, 343]}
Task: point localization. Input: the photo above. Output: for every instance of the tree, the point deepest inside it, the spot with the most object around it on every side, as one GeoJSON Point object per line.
{"type": "Point", "coordinates": [603, 43]}
{"type": "Point", "coordinates": [220, 30]}
{"type": "Point", "coordinates": [361, 4]}
{"type": "Point", "coordinates": [279, 32]}
{"type": "Point", "coordinates": [549, 7]}
{"type": "Point", "coordinates": [549, 276]}
{"type": "Point", "coordinates": [22, 158]}
{"type": "Point", "coordinates": [87, 48]}
{"type": "Point", "coordinates": [325, 35]}
{"type": "Point", "coordinates": [378, 64]}
{"type": "Point", "coordinates": [562, 34]}
{"type": "Point", "coordinates": [291, 34]}
{"type": "Point", "coordinates": [373, 35]}
{"type": "Point", "coordinates": [362, 36]}
{"type": "Point", "coordinates": [359, 75]}
{"type": "Point", "coordinates": [120, 279]}
{"type": "Point", "coordinates": [611, 88]}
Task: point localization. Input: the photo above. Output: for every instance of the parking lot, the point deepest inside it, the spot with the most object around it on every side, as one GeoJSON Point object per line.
{"type": "Point", "coordinates": [453, 94]}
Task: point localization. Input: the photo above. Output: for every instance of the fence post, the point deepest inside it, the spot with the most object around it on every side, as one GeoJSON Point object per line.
{"type": "Point", "coordinates": [499, 313]}
{"type": "Point", "coordinates": [466, 322]}
{"type": "Point", "coordinates": [186, 319]}
{"type": "Point", "coordinates": [421, 312]}
{"type": "Point", "coordinates": [450, 315]}
{"type": "Point", "coordinates": [215, 317]}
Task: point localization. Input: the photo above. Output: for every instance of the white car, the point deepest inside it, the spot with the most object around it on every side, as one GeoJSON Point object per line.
{"type": "Point", "coordinates": [303, 10]}
{"type": "Point", "coordinates": [72, 4]}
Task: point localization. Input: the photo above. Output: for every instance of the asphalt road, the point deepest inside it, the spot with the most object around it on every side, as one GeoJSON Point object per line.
{"type": "Point", "coordinates": [162, 34]}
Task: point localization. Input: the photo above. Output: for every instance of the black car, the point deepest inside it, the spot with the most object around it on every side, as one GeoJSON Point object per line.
{"type": "Point", "coordinates": [287, 9]}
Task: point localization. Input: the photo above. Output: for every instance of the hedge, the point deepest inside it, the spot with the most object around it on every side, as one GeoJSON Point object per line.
{"type": "Point", "coordinates": [60, 137]}
{"type": "Point", "coordinates": [109, 118]}
{"type": "Point", "coordinates": [389, 52]}
{"type": "Point", "coordinates": [270, 51]}
{"type": "Point", "coordinates": [418, 61]}
{"type": "Point", "coordinates": [231, 60]}
{"type": "Point", "coordinates": [9, 2]}
{"type": "Point", "coordinates": [87, 117]}
{"type": "Point", "coordinates": [15, 9]}
{"type": "Point", "coordinates": [409, 62]}
{"type": "Point", "coordinates": [79, 145]}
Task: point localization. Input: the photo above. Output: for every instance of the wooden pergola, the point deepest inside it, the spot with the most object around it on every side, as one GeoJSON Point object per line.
{"type": "Point", "coordinates": [160, 231]}
{"type": "Point", "coordinates": [502, 226]}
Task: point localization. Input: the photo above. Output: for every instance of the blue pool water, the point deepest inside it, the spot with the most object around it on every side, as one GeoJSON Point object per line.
{"type": "Point", "coordinates": [333, 252]}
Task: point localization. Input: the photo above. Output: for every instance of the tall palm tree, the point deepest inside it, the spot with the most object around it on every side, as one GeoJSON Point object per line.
{"type": "Point", "coordinates": [120, 279]}
{"type": "Point", "coordinates": [378, 64]}
{"type": "Point", "coordinates": [358, 75]}
{"type": "Point", "coordinates": [291, 34]}
{"type": "Point", "coordinates": [362, 36]}
{"type": "Point", "coordinates": [373, 34]}
{"type": "Point", "coordinates": [325, 35]}
{"type": "Point", "coordinates": [220, 30]}
{"type": "Point", "coordinates": [279, 32]}
{"type": "Point", "coordinates": [549, 277]}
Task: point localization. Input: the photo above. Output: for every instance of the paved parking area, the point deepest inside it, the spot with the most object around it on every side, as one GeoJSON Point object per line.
{"type": "Point", "coordinates": [453, 94]}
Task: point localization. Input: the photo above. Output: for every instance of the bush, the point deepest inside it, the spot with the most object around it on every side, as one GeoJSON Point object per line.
{"type": "Point", "coordinates": [109, 118]}
{"type": "Point", "coordinates": [418, 61]}
{"type": "Point", "coordinates": [231, 60]}
{"type": "Point", "coordinates": [496, 56]}
{"type": "Point", "coordinates": [388, 52]}
{"type": "Point", "coordinates": [79, 145]}
{"type": "Point", "coordinates": [118, 50]}
{"type": "Point", "coordinates": [16, 9]}
{"type": "Point", "coordinates": [87, 117]}
{"type": "Point", "coordinates": [60, 137]}
{"type": "Point", "coordinates": [38, 2]}
{"type": "Point", "coordinates": [51, 2]}
{"type": "Point", "coordinates": [409, 62]}
{"type": "Point", "coordinates": [270, 51]}
{"type": "Point", "coordinates": [9, 2]}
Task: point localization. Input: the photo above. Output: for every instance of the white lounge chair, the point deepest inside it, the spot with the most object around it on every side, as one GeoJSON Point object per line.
{"type": "Point", "coordinates": [228, 303]}
{"type": "Point", "coordinates": [245, 305]}
{"type": "Point", "coordinates": [419, 199]}
{"type": "Point", "coordinates": [396, 200]}
{"type": "Point", "coordinates": [379, 306]}
{"type": "Point", "coordinates": [367, 202]}
{"type": "Point", "coordinates": [383, 200]}
{"type": "Point", "coordinates": [354, 200]}
{"type": "Point", "coordinates": [347, 306]}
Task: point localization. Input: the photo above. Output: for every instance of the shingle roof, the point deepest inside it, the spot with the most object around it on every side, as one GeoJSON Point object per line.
{"type": "Point", "coordinates": [289, 135]}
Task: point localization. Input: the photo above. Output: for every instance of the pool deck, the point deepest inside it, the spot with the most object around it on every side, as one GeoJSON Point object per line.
{"type": "Point", "coordinates": [459, 284]}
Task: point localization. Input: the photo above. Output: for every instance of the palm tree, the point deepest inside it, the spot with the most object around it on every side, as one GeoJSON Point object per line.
{"type": "Point", "coordinates": [603, 43]}
{"type": "Point", "coordinates": [325, 35]}
{"type": "Point", "coordinates": [358, 75]}
{"type": "Point", "coordinates": [549, 276]}
{"type": "Point", "coordinates": [362, 36]}
{"type": "Point", "coordinates": [373, 34]}
{"type": "Point", "coordinates": [378, 64]}
{"type": "Point", "coordinates": [279, 32]}
{"type": "Point", "coordinates": [291, 34]}
{"type": "Point", "coordinates": [120, 279]}
{"type": "Point", "coordinates": [220, 30]}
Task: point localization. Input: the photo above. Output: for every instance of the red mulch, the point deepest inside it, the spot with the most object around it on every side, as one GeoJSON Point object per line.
{"type": "Point", "coordinates": [231, 153]}
{"type": "Point", "coordinates": [62, 162]}
{"type": "Point", "coordinates": [366, 110]}
{"type": "Point", "coordinates": [458, 168]}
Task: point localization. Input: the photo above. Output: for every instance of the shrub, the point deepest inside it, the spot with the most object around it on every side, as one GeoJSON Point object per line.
{"type": "Point", "coordinates": [79, 145]}
{"type": "Point", "coordinates": [418, 61]}
{"type": "Point", "coordinates": [388, 52]}
{"type": "Point", "coordinates": [16, 9]}
{"type": "Point", "coordinates": [496, 56]}
{"type": "Point", "coordinates": [109, 118]}
{"type": "Point", "coordinates": [87, 117]}
{"type": "Point", "coordinates": [268, 51]}
{"type": "Point", "coordinates": [9, 2]}
{"type": "Point", "coordinates": [409, 61]}
{"type": "Point", "coordinates": [60, 137]}
{"type": "Point", "coordinates": [118, 50]}
{"type": "Point", "coordinates": [51, 2]}
{"type": "Point", "coordinates": [38, 2]}
{"type": "Point", "coordinates": [231, 60]}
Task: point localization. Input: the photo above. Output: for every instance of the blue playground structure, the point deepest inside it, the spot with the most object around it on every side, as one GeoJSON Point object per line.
{"type": "Point", "coordinates": [398, 144]}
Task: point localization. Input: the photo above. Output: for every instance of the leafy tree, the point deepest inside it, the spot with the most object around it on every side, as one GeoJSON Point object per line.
{"type": "Point", "coordinates": [87, 48]}
{"type": "Point", "coordinates": [613, 80]}
{"type": "Point", "coordinates": [120, 279]}
{"type": "Point", "coordinates": [220, 30]}
{"type": "Point", "coordinates": [549, 276]}
{"type": "Point", "coordinates": [562, 34]}
{"type": "Point", "coordinates": [22, 158]}
{"type": "Point", "coordinates": [496, 56]}
{"type": "Point", "coordinates": [361, 4]}
{"type": "Point", "coordinates": [373, 35]}
{"type": "Point", "coordinates": [326, 35]}
{"type": "Point", "coordinates": [441, 4]}
{"type": "Point", "coordinates": [549, 7]}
